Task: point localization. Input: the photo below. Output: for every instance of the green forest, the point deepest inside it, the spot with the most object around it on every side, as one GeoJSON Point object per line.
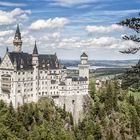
{"type": "Point", "coordinates": [110, 114]}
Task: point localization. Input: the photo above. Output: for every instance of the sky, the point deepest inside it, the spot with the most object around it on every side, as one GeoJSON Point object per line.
{"type": "Point", "coordinates": [69, 27]}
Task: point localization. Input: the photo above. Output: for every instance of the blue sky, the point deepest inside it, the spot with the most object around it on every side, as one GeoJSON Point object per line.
{"type": "Point", "coordinates": [69, 27]}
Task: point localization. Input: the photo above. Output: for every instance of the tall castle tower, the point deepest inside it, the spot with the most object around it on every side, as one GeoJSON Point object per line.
{"type": "Point", "coordinates": [17, 40]}
{"type": "Point", "coordinates": [84, 66]}
{"type": "Point", "coordinates": [35, 64]}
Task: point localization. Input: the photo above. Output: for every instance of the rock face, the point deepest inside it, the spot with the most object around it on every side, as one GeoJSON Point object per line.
{"type": "Point", "coordinates": [74, 104]}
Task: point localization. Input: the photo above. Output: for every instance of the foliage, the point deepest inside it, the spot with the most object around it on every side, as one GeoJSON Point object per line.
{"type": "Point", "coordinates": [112, 114]}
{"type": "Point", "coordinates": [131, 78]}
{"type": "Point", "coordinates": [134, 24]}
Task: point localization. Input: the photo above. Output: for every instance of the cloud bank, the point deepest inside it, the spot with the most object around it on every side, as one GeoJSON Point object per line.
{"type": "Point", "coordinates": [104, 29]}
{"type": "Point", "coordinates": [57, 22]}
{"type": "Point", "coordinates": [9, 17]}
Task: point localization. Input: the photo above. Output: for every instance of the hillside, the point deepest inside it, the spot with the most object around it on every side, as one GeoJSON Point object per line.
{"type": "Point", "coordinates": [110, 114]}
{"type": "Point", "coordinates": [101, 63]}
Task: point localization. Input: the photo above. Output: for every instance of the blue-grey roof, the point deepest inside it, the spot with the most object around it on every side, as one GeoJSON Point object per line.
{"type": "Point", "coordinates": [84, 55]}
{"type": "Point", "coordinates": [35, 51]}
{"type": "Point", "coordinates": [79, 78]}
{"type": "Point", "coordinates": [45, 61]}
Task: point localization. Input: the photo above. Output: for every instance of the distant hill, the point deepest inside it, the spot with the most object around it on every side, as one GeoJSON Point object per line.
{"type": "Point", "coordinates": [101, 63]}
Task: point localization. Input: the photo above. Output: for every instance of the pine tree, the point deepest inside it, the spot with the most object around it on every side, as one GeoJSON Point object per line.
{"type": "Point", "coordinates": [134, 24]}
{"type": "Point", "coordinates": [92, 89]}
{"type": "Point", "coordinates": [131, 78]}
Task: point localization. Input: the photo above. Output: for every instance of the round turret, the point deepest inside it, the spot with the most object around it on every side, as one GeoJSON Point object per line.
{"type": "Point", "coordinates": [84, 58]}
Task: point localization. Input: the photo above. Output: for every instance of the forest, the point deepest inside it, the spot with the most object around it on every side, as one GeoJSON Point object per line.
{"type": "Point", "coordinates": [111, 114]}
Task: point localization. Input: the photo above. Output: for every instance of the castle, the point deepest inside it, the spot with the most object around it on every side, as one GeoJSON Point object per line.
{"type": "Point", "coordinates": [25, 78]}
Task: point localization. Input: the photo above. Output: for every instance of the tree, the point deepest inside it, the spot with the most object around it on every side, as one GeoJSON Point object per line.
{"type": "Point", "coordinates": [131, 78]}
{"type": "Point", "coordinates": [134, 24]}
{"type": "Point", "coordinates": [110, 135]}
{"type": "Point", "coordinates": [92, 89]}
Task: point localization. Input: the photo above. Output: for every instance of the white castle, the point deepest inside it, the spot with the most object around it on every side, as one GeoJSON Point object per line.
{"type": "Point", "coordinates": [25, 78]}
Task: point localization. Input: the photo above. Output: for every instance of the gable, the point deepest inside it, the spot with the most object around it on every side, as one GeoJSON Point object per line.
{"type": "Point", "coordinates": [6, 63]}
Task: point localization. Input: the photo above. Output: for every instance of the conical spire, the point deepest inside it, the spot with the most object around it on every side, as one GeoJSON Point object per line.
{"type": "Point", "coordinates": [7, 50]}
{"type": "Point", "coordinates": [18, 34]}
{"type": "Point", "coordinates": [35, 51]}
{"type": "Point", "coordinates": [17, 40]}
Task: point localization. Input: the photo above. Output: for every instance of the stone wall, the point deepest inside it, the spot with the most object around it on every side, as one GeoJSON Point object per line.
{"type": "Point", "coordinates": [74, 104]}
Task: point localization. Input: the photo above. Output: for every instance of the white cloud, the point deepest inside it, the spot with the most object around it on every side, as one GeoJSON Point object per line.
{"type": "Point", "coordinates": [57, 22]}
{"type": "Point", "coordinates": [68, 3]}
{"type": "Point", "coordinates": [11, 4]}
{"type": "Point", "coordinates": [5, 33]}
{"type": "Point", "coordinates": [18, 11]}
{"type": "Point", "coordinates": [9, 17]}
{"type": "Point", "coordinates": [101, 42]}
{"type": "Point", "coordinates": [104, 29]}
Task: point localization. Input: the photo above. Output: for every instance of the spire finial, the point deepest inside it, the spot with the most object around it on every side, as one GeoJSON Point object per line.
{"type": "Point", "coordinates": [17, 40]}
{"type": "Point", "coordinates": [7, 50]}
{"type": "Point", "coordinates": [18, 34]}
{"type": "Point", "coordinates": [35, 51]}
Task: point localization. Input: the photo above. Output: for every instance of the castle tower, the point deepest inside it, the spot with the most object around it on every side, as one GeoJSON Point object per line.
{"type": "Point", "coordinates": [35, 63]}
{"type": "Point", "coordinates": [17, 40]}
{"type": "Point", "coordinates": [84, 66]}
{"type": "Point", "coordinates": [35, 56]}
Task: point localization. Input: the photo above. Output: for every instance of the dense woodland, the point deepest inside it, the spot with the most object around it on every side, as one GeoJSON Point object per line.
{"type": "Point", "coordinates": [110, 114]}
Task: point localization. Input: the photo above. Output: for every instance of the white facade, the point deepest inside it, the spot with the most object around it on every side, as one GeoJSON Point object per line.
{"type": "Point", "coordinates": [25, 78]}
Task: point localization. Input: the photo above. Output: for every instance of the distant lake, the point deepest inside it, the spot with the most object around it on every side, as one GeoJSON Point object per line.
{"type": "Point", "coordinates": [91, 67]}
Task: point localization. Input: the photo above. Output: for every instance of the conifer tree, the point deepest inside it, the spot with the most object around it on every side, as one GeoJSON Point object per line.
{"type": "Point", "coordinates": [131, 78]}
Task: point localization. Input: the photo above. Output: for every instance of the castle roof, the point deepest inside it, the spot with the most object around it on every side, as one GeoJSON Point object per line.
{"type": "Point", "coordinates": [25, 59]}
{"type": "Point", "coordinates": [18, 34]}
{"type": "Point", "coordinates": [64, 67]}
{"type": "Point", "coordinates": [35, 51]}
{"type": "Point", "coordinates": [49, 61]}
{"type": "Point", "coordinates": [84, 55]}
{"type": "Point", "coordinates": [79, 78]}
